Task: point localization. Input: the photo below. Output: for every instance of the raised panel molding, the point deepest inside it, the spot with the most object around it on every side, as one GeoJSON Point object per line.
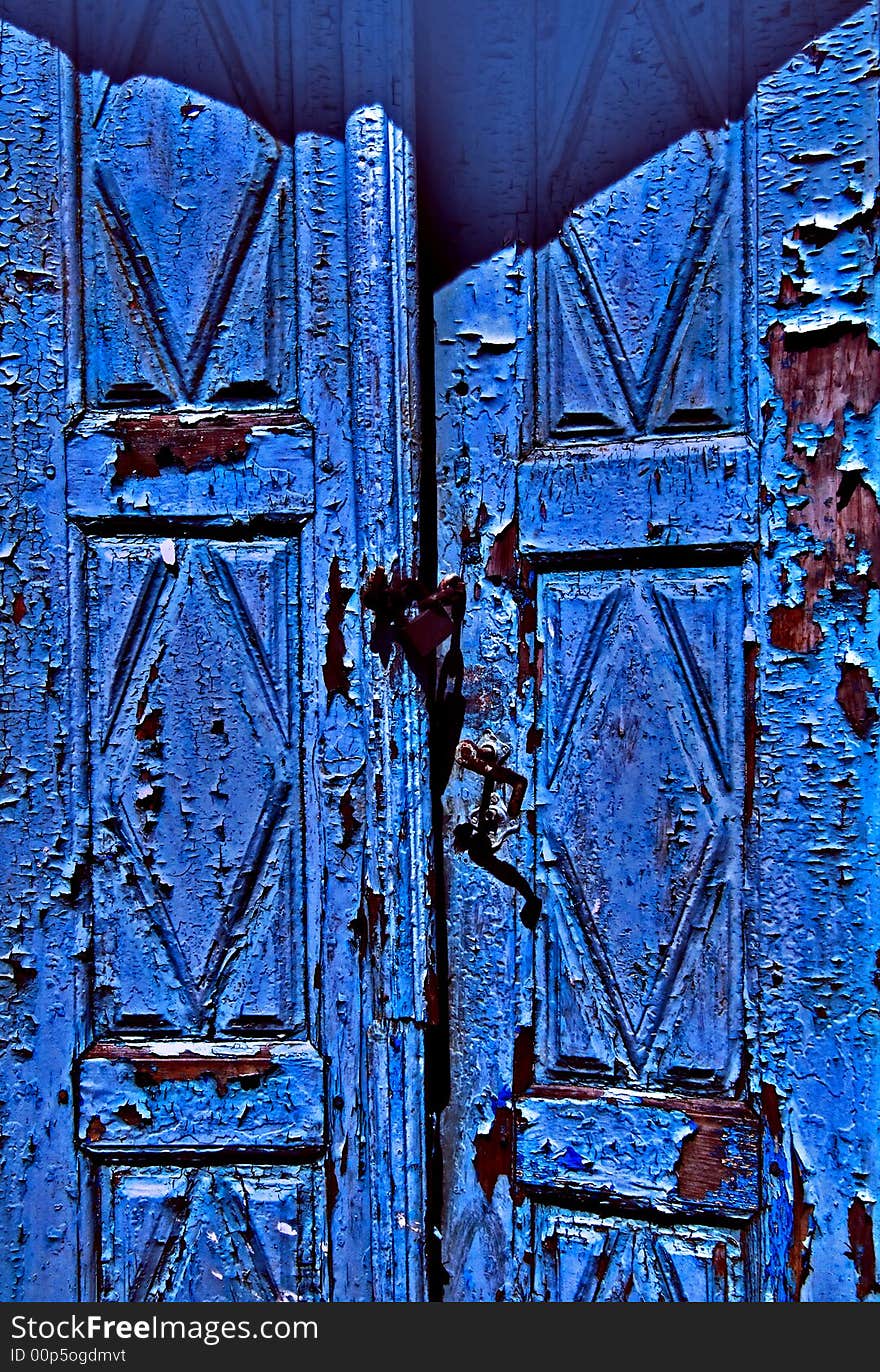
{"type": "Point", "coordinates": [187, 217]}
{"type": "Point", "coordinates": [640, 779]}
{"type": "Point", "coordinates": [195, 783]}
{"type": "Point", "coordinates": [245, 1233]}
{"type": "Point", "coordinates": [593, 1259]}
{"type": "Point", "coordinates": [640, 325]}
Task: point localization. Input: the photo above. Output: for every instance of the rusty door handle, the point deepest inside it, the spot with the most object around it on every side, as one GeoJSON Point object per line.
{"type": "Point", "coordinates": [488, 759]}
{"type": "Point", "coordinates": [495, 819]}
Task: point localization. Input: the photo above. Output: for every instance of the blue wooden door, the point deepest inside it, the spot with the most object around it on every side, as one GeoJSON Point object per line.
{"type": "Point", "coordinates": [654, 475]}
{"type": "Point", "coordinates": [619, 986]}
{"type": "Point", "coordinates": [216, 1087]}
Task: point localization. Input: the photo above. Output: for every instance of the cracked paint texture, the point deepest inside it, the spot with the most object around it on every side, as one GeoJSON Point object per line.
{"type": "Point", "coordinates": [38, 867]}
{"type": "Point", "coordinates": [816, 794]}
{"type": "Point", "coordinates": [665, 1090]}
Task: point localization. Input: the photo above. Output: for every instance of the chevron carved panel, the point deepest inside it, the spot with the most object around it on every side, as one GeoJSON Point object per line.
{"type": "Point", "coordinates": [187, 234]}
{"type": "Point", "coordinates": [195, 787]}
{"type": "Point", "coordinates": [640, 839]}
{"type": "Point", "coordinates": [640, 317]}
{"type": "Point", "coordinates": [225, 1234]}
{"type": "Point", "coordinates": [592, 1259]}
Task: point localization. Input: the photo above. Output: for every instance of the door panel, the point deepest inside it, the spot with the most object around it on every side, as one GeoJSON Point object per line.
{"type": "Point", "coordinates": [639, 1151]}
{"type": "Point", "coordinates": [202, 1037]}
{"type": "Point", "coordinates": [187, 252]}
{"type": "Point", "coordinates": [642, 297]}
{"type": "Point", "coordinates": [203, 1020]}
{"type": "Point", "coordinates": [641, 779]}
{"type": "Point", "coordinates": [657, 457]}
{"type": "Point", "coordinates": [218, 1234]}
{"type": "Point", "coordinates": [583, 1258]}
{"type": "Point", "coordinates": [195, 788]}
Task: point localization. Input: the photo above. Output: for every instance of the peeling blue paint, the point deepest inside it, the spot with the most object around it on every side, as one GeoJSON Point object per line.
{"type": "Point", "coordinates": [657, 378]}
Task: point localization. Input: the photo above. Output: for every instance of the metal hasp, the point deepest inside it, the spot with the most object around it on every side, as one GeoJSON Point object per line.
{"type": "Point", "coordinates": [495, 818]}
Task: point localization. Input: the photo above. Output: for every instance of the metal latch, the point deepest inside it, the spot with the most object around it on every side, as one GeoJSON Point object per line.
{"type": "Point", "coordinates": [496, 817]}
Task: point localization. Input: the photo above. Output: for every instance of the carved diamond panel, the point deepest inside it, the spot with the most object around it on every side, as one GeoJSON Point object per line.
{"type": "Point", "coordinates": [591, 1259]}
{"type": "Point", "coordinates": [194, 782]}
{"type": "Point", "coordinates": [228, 1234]}
{"type": "Point", "coordinates": [639, 837]}
{"type": "Point", "coordinates": [640, 322]}
{"type": "Point", "coordinates": [187, 221]}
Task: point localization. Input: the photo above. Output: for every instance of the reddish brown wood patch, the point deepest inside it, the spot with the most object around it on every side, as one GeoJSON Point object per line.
{"type": "Point", "coordinates": [493, 1152]}
{"type": "Point", "coordinates": [819, 377]}
{"type": "Point", "coordinates": [337, 675]}
{"type": "Point", "coordinates": [860, 1229]}
{"type": "Point", "coordinates": [151, 444]}
{"type": "Point", "coordinates": [854, 692]}
{"type": "Point", "coordinates": [152, 1069]}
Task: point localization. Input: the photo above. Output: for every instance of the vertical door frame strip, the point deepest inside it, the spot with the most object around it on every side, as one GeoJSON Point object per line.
{"type": "Point", "coordinates": [383, 321]}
